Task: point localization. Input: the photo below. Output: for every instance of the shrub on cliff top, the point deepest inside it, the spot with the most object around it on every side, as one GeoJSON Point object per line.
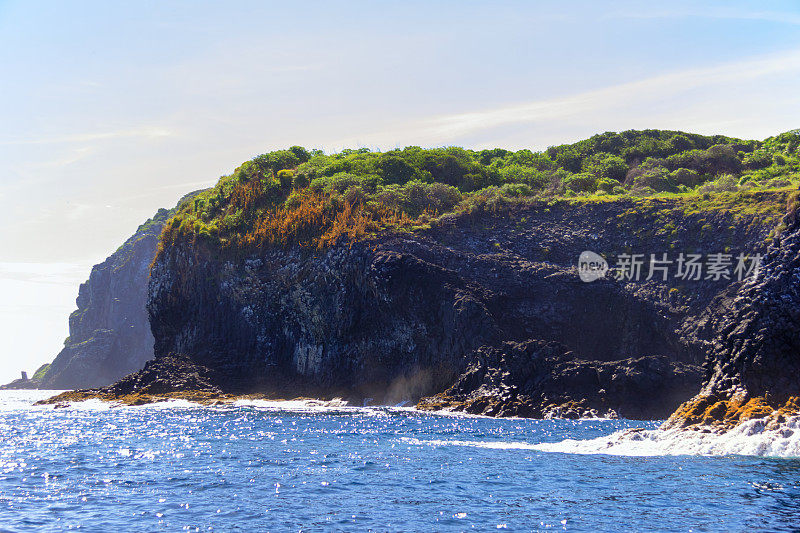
{"type": "Point", "coordinates": [605, 165]}
{"type": "Point", "coordinates": [583, 182]}
{"type": "Point", "coordinates": [657, 179]}
{"type": "Point", "coordinates": [721, 184]}
{"type": "Point", "coordinates": [686, 176]}
{"type": "Point", "coordinates": [607, 185]}
{"type": "Point", "coordinates": [317, 198]}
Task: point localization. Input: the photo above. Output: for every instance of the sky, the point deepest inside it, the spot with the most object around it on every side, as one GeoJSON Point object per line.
{"type": "Point", "coordinates": [111, 110]}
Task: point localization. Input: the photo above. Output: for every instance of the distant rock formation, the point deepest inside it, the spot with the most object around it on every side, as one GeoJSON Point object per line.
{"type": "Point", "coordinates": [110, 333]}
{"type": "Point", "coordinates": [27, 383]}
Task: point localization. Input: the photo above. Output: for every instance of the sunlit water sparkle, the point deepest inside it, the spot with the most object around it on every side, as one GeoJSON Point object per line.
{"type": "Point", "coordinates": [294, 466]}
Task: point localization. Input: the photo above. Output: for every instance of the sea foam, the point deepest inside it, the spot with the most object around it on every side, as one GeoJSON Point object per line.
{"type": "Point", "coordinates": [749, 438]}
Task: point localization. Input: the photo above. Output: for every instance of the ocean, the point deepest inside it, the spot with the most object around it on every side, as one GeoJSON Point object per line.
{"type": "Point", "coordinates": [306, 466]}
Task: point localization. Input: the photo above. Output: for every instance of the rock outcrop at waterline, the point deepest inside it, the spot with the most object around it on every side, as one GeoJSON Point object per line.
{"type": "Point", "coordinates": [109, 333]}
{"type": "Point", "coordinates": [171, 377]}
{"type": "Point", "coordinates": [754, 368]}
{"type": "Point", "coordinates": [488, 301]}
{"type": "Point", "coordinates": [542, 380]}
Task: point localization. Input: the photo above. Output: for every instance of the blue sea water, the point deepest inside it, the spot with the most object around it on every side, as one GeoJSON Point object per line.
{"type": "Point", "coordinates": [292, 467]}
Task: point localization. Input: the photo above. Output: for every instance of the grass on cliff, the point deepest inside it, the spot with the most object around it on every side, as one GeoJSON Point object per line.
{"type": "Point", "coordinates": [315, 199]}
{"type": "Point", "coordinates": [41, 371]}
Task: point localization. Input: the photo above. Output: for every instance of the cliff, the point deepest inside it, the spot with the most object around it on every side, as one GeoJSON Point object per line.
{"type": "Point", "coordinates": [109, 333]}
{"type": "Point", "coordinates": [448, 276]}
{"type": "Point", "coordinates": [402, 315]}
{"type": "Point", "coordinates": [753, 370]}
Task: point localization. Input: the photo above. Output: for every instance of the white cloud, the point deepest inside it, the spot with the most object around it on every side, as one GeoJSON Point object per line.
{"type": "Point", "coordinates": [73, 157]}
{"type": "Point", "coordinates": [751, 98]}
{"type": "Point", "coordinates": [618, 96]}
{"type": "Point", "coordinates": [150, 132]}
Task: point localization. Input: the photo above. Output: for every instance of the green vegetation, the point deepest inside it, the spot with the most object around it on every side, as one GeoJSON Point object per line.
{"type": "Point", "coordinates": [159, 218]}
{"type": "Point", "coordinates": [312, 198]}
{"type": "Point", "coordinates": [41, 371]}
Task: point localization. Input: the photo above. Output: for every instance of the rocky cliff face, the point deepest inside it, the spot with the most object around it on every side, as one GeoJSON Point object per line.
{"type": "Point", "coordinates": [753, 370]}
{"type": "Point", "coordinates": [110, 332]}
{"type": "Point", "coordinates": [402, 316]}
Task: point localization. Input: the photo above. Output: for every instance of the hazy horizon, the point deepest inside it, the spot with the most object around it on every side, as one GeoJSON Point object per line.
{"type": "Point", "coordinates": [113, 111]}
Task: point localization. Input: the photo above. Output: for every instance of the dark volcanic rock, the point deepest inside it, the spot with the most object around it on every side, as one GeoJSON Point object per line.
{"type": "Point", "coordinates": [390, 320]}
{"type": "Point", "coordinates": [401, 316]}
{"type": "Point", "coordinates": [172, 377]}
{"type": "Point", "coordinates": [543, 380]}
{"type": "Point", "coordinates": [757, 347]}
{"type": "Point", "coordinates": [172, 373]}
{"type": "Point", "coordinates": [755, 353]}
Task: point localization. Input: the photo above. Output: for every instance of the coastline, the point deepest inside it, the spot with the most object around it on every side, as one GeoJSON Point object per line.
{"type": "Point", "coordinates": [199, 397]}
{"type": "Point", "coordinates": [774, 435]}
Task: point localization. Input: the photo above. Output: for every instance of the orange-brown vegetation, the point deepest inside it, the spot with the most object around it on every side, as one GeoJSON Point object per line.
{"type": "Point", "coordinates": [709, 411]}
{"type": "Point", "coordinates": [313, 222]}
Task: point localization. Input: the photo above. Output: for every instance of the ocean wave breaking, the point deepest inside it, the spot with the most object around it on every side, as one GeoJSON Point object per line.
{"type": "Point", "coordinates": [749, 438]}
{"type": "Point", "coordinates": [753, 438]}
{"type": "Point", "coordinates": [493, 445]}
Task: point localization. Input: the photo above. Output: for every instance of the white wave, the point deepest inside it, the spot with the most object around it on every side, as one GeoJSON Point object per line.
{"type": "Point", "coordinates": [448, 412]}
{"type": "Point", "coordinates": [307, 406]}
{"type": "Point", "coordinates": [13, 400]}
{"type": "Point", "coordinates": [749, 438]}
{"type": "Point", "coordinates": [303, 406]}
{"type": "Point", "coordinates": [496, 445]}
{"type": "Point", "coordinates": [92, 404]}
{"type": "Point", "coordinates": [25, 399]}
{"type": "Point", "coordinates": [166, 404]}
